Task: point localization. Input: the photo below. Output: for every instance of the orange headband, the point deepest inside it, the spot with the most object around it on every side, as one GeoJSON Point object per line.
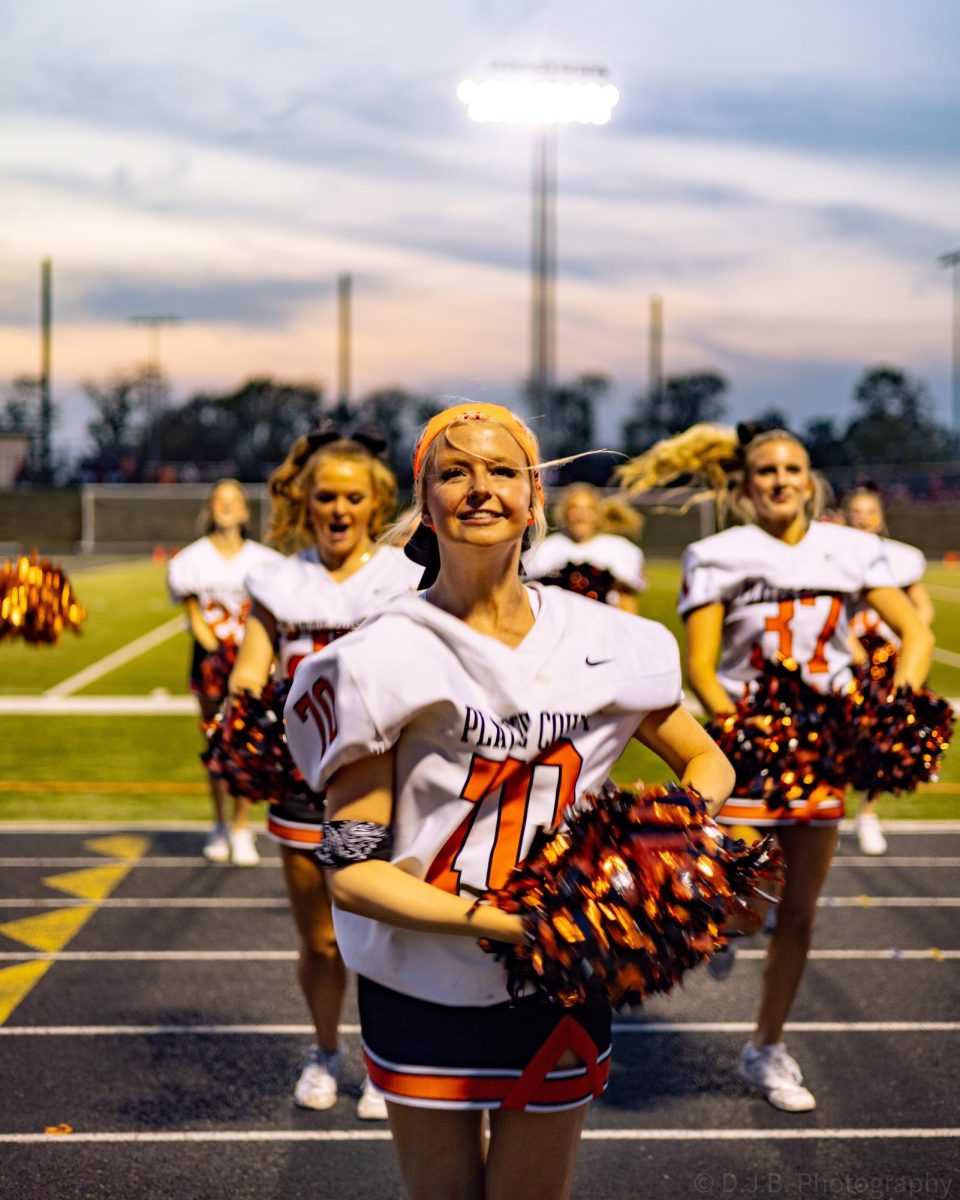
{"type": "Point", "coordinates": [478, 412]}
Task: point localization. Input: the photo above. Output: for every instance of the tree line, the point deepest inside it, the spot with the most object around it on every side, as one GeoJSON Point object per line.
{"type": "Point", "coordinates": [138, 433]}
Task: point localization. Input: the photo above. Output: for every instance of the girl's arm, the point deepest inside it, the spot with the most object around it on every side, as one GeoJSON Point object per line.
{"type": "Point", "coordinates": [256, 654]}
{"type": "Point", "coordinates": [199, 628]}
{"type": "Point", "coordinates": [363, 791]}
{"type": "Point", "coordinates": [704, 637]}
{"type": "Point", "coordinates": [919, 597]}
{"type": "Point", "coordinates": [689, 751]}
{"type": "Point", "coordinates": [917, 641]}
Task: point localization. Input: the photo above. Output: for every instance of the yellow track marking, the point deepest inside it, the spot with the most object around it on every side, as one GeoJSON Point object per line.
{"type": "Point", "coordinates": [16, 981]}
{"type": "Point", "coordinates": [49, 931]}
{"type": "Point", "coordinates": [92, 883]}
{"type": "Point", "coordinates": [119, 846]}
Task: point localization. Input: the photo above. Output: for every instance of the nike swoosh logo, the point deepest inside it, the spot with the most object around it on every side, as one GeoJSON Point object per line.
{"type": "Point", "coordinates": [598, 662]}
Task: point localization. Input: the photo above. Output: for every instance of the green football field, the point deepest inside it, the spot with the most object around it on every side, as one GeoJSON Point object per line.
{"type": "Point", "coordinates": [122, 765]}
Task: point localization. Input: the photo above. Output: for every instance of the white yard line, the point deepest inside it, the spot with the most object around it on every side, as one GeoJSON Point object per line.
{"type": "Point", "coordinates": [98, 706]}
{"type": "Point", "coordinates": [346, 1030]}
{"type": "Point", "coordinates": [118, 658]}
{"type": "Point", "coordinates": [939, 592]}
{"type": "Point", "coordinates": [383, 1135]}
{"type": "Point", "coordinates": [950, 659]}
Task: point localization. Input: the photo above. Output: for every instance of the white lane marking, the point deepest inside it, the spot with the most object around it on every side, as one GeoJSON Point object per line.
{"type": "Point", "coordinates": [652, 1028]}
{"type": "Point", "coordinates": [383, 1135]}
{"type": "Point", "coordinates": [100, 706]}
{"type": "Point", "coordinates": [269, 862]}
{"type": "Point", "coordinates": [889, 902]}
{"type": "Point", "coordinates": [866, 860]}
{"type": "Point", "coordinates": [118, 658]}
{"type": "Point", "coordinates": [282, 902]}
{"type": "Point", "coordinates": [890, 953]}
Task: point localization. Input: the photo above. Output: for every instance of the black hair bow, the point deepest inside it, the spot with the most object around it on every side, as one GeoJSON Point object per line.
{"type": "Point", "coordinates": [367, 436]}
{"type": "Point", "coordinates": [423, 549]}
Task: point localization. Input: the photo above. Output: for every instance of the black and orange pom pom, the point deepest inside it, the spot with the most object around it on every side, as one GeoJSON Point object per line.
{"type": "Point", "coordinates": [784, 738]}
{"type": "Point", "coordinates": [247, 747]}
{"type": "Point", "coordinates": [215, 669]}
{"type": "Point", "coordinates": [596, 583]}
{"type": "Point", "coordinates": [632, 892]}
{"type": "Point", "coordinates": [899, 735]}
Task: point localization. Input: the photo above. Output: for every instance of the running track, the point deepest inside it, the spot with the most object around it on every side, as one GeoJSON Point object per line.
{"type": "Point", "coordinates": [147, 1003]}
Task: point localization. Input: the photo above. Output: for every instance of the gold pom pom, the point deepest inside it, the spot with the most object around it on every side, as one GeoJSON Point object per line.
{"type": "Point", "coordinates": [37, 602]}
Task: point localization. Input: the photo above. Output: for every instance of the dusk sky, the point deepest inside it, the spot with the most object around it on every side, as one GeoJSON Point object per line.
{"type": "Point", "coordinates": [783, 173]}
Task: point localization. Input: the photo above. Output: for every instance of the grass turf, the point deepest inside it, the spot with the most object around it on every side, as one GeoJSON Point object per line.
{"type": "Point", "coordinates": [127, 767]}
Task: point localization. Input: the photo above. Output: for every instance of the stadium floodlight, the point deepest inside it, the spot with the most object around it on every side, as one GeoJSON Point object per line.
{"type": "Point", "coordinates": [538, 101]}
{"type": "Point", "coordinates": [542, 96]}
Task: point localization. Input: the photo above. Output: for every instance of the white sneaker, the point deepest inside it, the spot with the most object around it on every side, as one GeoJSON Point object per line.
{"type": "Point", "coordinates": [776, 1073]}
{"type": "Point", "coordinates": [721, 962]}
{"type": "Point", "coordinates": [216, 848]}
{"type": "Point", "coordinates": [869, 834]}
{"type": "Point", "coordinates": [317, 1085]}
{"type": "Point", "coordinates": [371, 1106]}
{"type": "Point", "coordinates": [243, 848]}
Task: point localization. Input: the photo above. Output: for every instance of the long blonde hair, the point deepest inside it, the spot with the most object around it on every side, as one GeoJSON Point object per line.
{"type": "Point", "coordinates": [716, 458]}
{"type": "Point", "coordinates": [290, 485]}
{"type": "Point", "coordinates": [615, 515]}
{"type": "Point", "coordinates": [205, 523]}
{"type": "Point", "coordinates": [401, 531]}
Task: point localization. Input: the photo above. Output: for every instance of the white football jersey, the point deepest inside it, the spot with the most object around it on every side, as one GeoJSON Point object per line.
{"type": "Point", "coordinates": [618, 555]}
{"type": "Point", "coordinates": [908, 566]}
{"type": "Point", "coordinates": [491, 742]}
{"type": "Point", "coordinates": [778, 598]}
{"type": "Point", "coordinates": [200, 570]}
{"type": "Point", "coordinates": [312, 608]}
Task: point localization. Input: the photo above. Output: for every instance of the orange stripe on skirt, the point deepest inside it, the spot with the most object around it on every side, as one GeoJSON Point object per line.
{"type": "Point", "coordinates": [824, 804]}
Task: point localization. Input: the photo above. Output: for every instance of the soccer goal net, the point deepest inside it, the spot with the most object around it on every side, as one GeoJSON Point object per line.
{"type": "Point", "coordinates": [132, 518]}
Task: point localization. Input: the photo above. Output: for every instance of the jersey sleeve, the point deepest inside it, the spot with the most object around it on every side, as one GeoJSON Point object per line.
{"type": "Point", "coordinates": [700, 585]}
{"type": "Point", "coordinates": [876, 571]}
{"type": "Point", "coordinates": [342, 708]}
{"type": "Point", "coordinates": [908, 564]}
{"type": "Point", "coordinates": [181, 577]}
{"type": "Point", "coordinates": [651, 677]}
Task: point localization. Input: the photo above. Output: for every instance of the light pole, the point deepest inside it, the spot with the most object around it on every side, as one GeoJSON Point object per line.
{"type": "Point", "coordinates": [952, 260]}
{"type": "Point", "coordinates": [154, 322]}
{"type": "Point", "coordinates": [542, 95]}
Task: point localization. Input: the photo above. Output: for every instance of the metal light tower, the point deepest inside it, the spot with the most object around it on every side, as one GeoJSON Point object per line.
{"type": "Point", "coordinates": [542, 95]}
{"type": "Point", "coordinates": [344, 297]}
{"type": "Point", "coordinates": [46, 404]}
{"type": "Point", "coordinates": [952, 260]}
{"type": "Point", "coordinates": [154, 322]}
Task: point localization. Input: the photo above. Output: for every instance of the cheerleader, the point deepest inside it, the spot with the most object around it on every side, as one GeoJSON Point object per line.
{"type": "Point", "coordinates": [592, 530]}
{"type": "Point", "coordinates": [778, 586]}
{"type": "Point", "coordinates": [444, 731]}
{"type": "Point", "coordinates": [863, 509]}
{"type": "Point", "coordinates": [330, 498]}
{"type": "Point", "coordinates": [207, 577]}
